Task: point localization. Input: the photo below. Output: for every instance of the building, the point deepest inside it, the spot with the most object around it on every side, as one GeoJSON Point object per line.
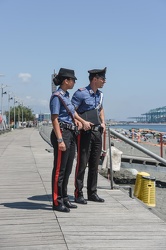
{"type": "Point", "coordinates": [44, 117]}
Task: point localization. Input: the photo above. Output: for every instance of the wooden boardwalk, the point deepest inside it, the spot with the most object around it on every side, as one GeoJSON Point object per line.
{"type": "Point", "coordinates": [28, 222]}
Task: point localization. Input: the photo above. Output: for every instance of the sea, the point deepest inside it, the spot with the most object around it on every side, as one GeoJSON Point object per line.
{"type": "Point", "coordinates": [156, 127]}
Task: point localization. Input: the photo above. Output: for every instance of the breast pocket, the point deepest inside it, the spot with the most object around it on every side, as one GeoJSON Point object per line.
{"type": "Point", "coordinates": [89, 103]}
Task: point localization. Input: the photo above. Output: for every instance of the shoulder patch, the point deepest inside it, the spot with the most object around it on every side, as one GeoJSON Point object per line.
{"type": "Point", "coordinates": [81, 89]}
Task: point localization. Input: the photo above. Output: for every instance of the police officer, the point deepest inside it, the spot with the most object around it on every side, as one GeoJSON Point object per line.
{"type": "Point", "coordinates": [63, 138]}
{"type": "Point", "coordinates": [90, 141]}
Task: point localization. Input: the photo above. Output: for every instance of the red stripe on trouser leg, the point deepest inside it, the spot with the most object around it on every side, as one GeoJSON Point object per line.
{"type": "Point", "coordinates": [55, 192]}
{"type": "Point", "coordinates": [78, 164]}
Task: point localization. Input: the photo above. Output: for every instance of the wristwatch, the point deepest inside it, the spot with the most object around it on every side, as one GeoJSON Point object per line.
{"type": "Point", "coordinates": [60, 140]}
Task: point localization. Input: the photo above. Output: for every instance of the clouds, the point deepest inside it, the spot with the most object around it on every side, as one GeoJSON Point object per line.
{"type": "Point", "coordinates": [24, 77]}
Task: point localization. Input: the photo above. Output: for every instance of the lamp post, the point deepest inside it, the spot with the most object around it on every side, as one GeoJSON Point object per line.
{"type": "Point", "coordinates": [18, 114]}
{"type": "Point", "coordinates": [14, 113]}
{"type": "Point", "coordinates": [9, 98]}
{"type": "Point", "coordinates": [2, 93]}
{"type": "Point", "coordinates": [22, 115]}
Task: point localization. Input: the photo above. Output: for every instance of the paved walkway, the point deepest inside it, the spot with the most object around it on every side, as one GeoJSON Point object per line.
{"type": "Point", "coordinates": [28, 222]}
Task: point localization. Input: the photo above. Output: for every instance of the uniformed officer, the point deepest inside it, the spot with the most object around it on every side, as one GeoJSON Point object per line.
{"type": "Point", "coordinates": [63, 138]}
{"type": "Point", "coordinates": [89, 142]}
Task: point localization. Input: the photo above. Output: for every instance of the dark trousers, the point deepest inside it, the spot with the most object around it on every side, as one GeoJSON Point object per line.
{"type": "Point", "coordinates": [63, 162]}
{"type": "Point", "coordinates": [89, 146]}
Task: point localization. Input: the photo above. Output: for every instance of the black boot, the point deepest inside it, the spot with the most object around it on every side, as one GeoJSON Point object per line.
{"type": "Point", "coordinates": [95, 197]}
{"type": "Point", "coordinates": [61, 208]}
{"type": "Point", "coordinates": [69, 204]}
{"type": "Point", "coordinates": [81, 200]}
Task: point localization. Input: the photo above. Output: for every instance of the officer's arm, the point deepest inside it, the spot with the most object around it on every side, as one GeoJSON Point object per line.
{"type": "Point", "coordinates": [57, 131]}
{"type": "Point", "coordinates": [102, 118]}
{"type": "Point", "coordinates": [56, 127]}
{"type": "Point", "coordinates": [76, 99]}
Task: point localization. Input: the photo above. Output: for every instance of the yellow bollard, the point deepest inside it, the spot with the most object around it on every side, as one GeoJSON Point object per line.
{"type": "Point", "coordinates": [138, 181]}
{"type": "Point", "coordinates": [148, 192]}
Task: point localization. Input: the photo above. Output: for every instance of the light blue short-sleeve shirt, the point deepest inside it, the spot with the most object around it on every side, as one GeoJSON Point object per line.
{"type": "Point", "coordinates": [57, 107]}
{"type": "Point", "coordinates": [85, 99]}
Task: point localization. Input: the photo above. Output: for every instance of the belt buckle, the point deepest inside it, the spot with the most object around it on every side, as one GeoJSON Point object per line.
{"type": "Point", "coordinates": [61, 126]}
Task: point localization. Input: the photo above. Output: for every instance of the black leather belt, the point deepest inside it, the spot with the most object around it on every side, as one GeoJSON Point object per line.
{"type": "Point", "coordinates": [67, 126]}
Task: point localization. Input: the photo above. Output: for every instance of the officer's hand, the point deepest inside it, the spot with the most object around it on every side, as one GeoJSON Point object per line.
{"type": "Point", "coordinates": [87, 125]}
{"type": "Point", "coordinates": [62, 146]}
{"type": "Point", "coordinates": [78, 124]}
{"type": "Point", "coordinates": [103, 126]}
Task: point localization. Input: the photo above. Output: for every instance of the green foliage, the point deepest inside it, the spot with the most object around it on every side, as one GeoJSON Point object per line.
{"type": "Point", "coordinates": [20, 111]}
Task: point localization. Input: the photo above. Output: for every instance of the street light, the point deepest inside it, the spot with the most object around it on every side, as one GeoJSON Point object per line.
{"type": "Point", "coordinates": [14, 112]}
{"type": "Point", "coordinates": [9, 98]}
{"type": "Point", "coordinates": [2, 93]}
{"type": "Point", "coordinates": [20, 103]}
{"type": "Point", "coordinates": [22, 114]}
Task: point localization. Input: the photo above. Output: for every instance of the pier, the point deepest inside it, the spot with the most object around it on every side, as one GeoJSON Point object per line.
{"type": "Point", "coordinates": [28, 222]}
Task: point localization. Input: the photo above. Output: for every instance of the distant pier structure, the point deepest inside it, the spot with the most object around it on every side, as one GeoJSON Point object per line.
{"type": "Point", "coordinates": [157, 115]}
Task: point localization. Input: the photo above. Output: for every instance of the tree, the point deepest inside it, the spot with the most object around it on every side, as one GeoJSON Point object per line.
{"type": "Point", "coordinates": [20, 112]}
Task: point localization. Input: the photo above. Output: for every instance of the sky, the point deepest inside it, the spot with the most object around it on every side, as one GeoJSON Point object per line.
{"type": "Point", "coordinates": [126, 36]}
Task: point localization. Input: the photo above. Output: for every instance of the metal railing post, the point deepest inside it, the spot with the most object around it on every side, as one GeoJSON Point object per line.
{"type": "Point", "coordinates": [111, 171]}
{"type": "Point", "coordinates": [161, 145]}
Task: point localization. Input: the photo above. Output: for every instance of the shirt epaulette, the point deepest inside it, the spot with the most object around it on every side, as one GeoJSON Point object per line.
{"type": "Point", "coordinates": [57, 93]}
{"type": "Point", "coordinates": [81, 89]}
